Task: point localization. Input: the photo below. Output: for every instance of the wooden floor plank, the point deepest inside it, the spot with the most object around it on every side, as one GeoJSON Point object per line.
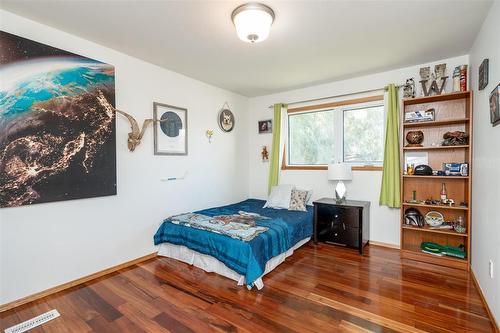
{"type": "Point", "coordinates": [320, 288]}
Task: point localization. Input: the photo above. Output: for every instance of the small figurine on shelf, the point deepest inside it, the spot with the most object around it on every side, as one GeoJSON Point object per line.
{"type": "Point", "coordinates": [460, 225]}
{"type": "Point", "coordinates": [414, 198]}
{"type": "Point", "coordinates": [444, 194]}
{"type": "Point", "coordinates": [409, 88]}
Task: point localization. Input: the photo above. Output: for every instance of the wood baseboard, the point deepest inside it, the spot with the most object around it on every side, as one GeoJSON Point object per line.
{"type": "Point", "coordinates": [490, 314]}
{"type": "Point", "coordinates": [392, 246]}
{"type": "Point", "coordinates": [53, 290]}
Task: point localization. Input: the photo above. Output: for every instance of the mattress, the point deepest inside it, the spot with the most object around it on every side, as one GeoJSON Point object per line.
{"type": "Point", "coordinates": [211, 264]}
{"type": "Point", "coordinates": [248, 258]}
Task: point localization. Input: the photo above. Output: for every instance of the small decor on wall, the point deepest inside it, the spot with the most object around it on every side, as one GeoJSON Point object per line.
{"type": "Point", "coordinates": [265, 126]}
{"type": "Point", "coordinates": [136, 134]}
{"type": "Point", "coordinates": [265, 154]}
{"type": "Point", "coordinates": [209, 133]}
{"type": "Point", "coordinates": [225, 119]}
{"type": "Point", "coordinates": [433, 84]}
{"type": "Point", "coordinates": [494, 106]}
{"type": "Point", "coordinates": [483, 74]}
{"type": "Point", "coordinates": [170, 131]}
{"type": "Point", "coordinates": [409, 88]}
{"type": "Point", "coordinates": [57, 125]}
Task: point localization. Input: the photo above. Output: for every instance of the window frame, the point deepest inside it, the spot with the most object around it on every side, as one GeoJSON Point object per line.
{"type": "Point", "coordinates": [338, 108]}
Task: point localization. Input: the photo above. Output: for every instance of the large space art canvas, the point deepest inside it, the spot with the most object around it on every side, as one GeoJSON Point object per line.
{"type": "Point", "coordinates": [57, 124]}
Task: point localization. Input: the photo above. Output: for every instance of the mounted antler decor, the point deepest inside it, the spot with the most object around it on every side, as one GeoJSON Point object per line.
{"type": "Point", "coordinates": [134, 137]}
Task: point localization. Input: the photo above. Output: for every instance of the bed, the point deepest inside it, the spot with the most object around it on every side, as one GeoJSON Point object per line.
{"type": "Point", "coordinates": [279, 233]}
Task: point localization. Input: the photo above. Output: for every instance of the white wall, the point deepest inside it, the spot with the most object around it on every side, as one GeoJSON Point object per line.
{"type": "Point", "coordinates": [486, 183]}
{"type": "Point", "coordinates": [49, 244]}
{"type": "Point", "coordinates": [365, 185]}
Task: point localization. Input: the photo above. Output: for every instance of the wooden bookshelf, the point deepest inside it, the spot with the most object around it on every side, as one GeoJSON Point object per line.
{"type": "Point", "coordinates": [453, 112]}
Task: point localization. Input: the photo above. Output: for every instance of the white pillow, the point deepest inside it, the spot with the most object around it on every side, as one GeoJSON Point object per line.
{"type": "Point", "coordinates": [280, 197]}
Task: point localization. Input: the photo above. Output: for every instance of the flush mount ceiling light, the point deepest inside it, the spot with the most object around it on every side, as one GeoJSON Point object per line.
{"type": "Point", "coordinates": [253, 22]}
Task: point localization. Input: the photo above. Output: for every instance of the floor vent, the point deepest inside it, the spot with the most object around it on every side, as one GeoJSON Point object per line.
{"type": "Point", "coordinates": [34, 322]}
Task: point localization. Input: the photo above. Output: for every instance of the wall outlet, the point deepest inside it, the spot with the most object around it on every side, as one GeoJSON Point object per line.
{"type": "Point", "coordinates": [491, 269]}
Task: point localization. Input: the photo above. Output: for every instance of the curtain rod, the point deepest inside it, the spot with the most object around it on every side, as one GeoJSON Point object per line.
{"type": "Point", "coordinates": [342, 95]}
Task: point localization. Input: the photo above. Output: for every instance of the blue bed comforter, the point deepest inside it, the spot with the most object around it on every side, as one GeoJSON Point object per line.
{"type": "Point", "coordinates": [286, 228]}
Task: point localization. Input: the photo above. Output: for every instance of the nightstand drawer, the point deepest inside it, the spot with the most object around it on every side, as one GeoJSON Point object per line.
{"type": "Point", "coordinates": [340, 234]}
{"type": "Point", "coordinates": [328, 214]}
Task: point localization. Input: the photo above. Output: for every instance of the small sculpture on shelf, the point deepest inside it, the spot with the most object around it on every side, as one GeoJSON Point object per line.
{"type": "Point", "coordinates": [409, 88]}
{"type": "Point", "coordinates": [433, 84]}
{"type": "Point", "coordinates": [457, 138]}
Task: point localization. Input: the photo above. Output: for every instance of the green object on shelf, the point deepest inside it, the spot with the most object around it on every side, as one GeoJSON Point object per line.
{"type": "Point", "coordinates": [450, 251]}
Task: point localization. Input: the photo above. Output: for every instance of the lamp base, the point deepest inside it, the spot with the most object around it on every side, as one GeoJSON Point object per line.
{"type": "Point", "coordinates": [340, 192]}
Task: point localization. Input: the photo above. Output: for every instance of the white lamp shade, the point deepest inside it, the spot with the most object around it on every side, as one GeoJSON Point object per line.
{"type": "Point", "coordinates": [339, 171]}
{"type": "Point", "coordinates": [253, 22]}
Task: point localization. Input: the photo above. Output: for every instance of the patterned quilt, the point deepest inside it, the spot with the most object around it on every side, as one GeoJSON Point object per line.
{"type": "Point", "coordinates": [240, 226]}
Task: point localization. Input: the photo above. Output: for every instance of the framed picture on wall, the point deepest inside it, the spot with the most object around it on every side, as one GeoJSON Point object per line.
{"type": "Point", "coordinates": [494, 106]}
{"type": "Point", "coordinates": [265, 126]}
{"type": "Point", "coordinates": [170, 130]}
{"type": "Point", "coordinates": [483, 74]}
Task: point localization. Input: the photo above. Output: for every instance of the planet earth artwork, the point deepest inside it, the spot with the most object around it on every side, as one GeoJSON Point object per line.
{"type": "Point", "coordinates": [57, 124]}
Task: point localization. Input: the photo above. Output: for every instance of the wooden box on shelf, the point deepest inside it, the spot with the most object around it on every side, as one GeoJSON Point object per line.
{"type": "Point", "coordinates": [453, 112]}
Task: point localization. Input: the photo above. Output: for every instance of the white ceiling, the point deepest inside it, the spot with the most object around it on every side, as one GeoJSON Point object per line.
{"type": "Point", "coordinates": [311, 41]}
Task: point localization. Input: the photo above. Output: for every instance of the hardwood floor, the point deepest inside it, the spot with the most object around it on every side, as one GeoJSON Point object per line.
{"type": "Point", "coordinates": [319, 289]}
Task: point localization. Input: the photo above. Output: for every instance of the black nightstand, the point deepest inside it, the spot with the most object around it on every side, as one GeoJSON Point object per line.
{"type": "Point", "coordinates": [346, 224]}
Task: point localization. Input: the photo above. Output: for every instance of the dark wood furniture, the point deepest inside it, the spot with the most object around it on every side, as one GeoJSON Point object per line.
{"type": "Point", "coordinates": [453, 112]}
{"type": "Point", "coordinates": [346, 224]}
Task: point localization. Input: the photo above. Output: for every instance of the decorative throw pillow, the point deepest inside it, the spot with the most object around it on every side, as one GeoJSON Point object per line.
{"type": "Point", "coordinates": [279, 197]}
{"type": "Point", "coordinates": [309, 195]}
{"type": "Point", "coordinates": [298, 200]}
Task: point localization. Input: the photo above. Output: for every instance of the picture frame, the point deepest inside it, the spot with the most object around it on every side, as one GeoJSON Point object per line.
{"type": "Point", "coordinates": [170, 129]}
{"type": "Point", "coordinates": [483, 74]}
{"type": "Point", "coordinates": [494, 106]}
{"type": "Point", "coordinates": [265, 126]}
{"type": "Point", "coordinates": [225, 119]}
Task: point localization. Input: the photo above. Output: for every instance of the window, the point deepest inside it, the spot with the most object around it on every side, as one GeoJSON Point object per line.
{"type": "Point", "coordinates": [364, 135]}
{"type": "Point", "coordinates": [310, 141]}
{"type": "Point", "coordinates": [352, 132]}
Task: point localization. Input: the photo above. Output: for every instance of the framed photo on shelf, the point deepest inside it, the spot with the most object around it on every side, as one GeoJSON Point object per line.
{"type": "Point", "coordinates": [170, 130]}
{"type": "Point", "coordinates": [265, 126]}
{"type": "Point", "coordinates": [494, 106]}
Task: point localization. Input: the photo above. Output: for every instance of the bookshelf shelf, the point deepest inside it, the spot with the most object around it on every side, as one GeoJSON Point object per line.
{"type": "Point", "coordinates": [436, 123]}
{"type": "Point", "coordinates": [437, 147]}
{"type": "Point", "coordinates": [438, 231]}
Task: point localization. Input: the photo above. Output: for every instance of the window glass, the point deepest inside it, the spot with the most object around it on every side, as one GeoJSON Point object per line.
{"type": "Point", "coordinates": [363, 134]}
{"type": "Point", "coordinates": [311, 138]}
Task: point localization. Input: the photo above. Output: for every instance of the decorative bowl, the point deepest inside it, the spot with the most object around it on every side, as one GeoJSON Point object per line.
{"type": "Point", "coordinates": [434, 219]}
{"type": "Point", "coordinates": [415, 138]}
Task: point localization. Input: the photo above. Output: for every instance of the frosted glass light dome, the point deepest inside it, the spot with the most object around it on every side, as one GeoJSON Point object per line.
{"type": "Point", "coordinates": [253, 22]}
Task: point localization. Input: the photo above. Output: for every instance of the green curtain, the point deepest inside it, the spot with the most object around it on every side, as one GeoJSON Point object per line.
{"type": "Point", "coordinates": [390, 193]}
{"type": "Point", "coordinates": [274, 162]}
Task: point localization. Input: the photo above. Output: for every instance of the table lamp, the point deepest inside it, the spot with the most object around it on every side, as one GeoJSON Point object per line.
{"type": "Point", "coordinates": [339, 172]}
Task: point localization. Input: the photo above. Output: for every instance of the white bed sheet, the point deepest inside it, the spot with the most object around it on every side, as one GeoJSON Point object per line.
{"type": "Point", "coordinates": [211, 264]}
